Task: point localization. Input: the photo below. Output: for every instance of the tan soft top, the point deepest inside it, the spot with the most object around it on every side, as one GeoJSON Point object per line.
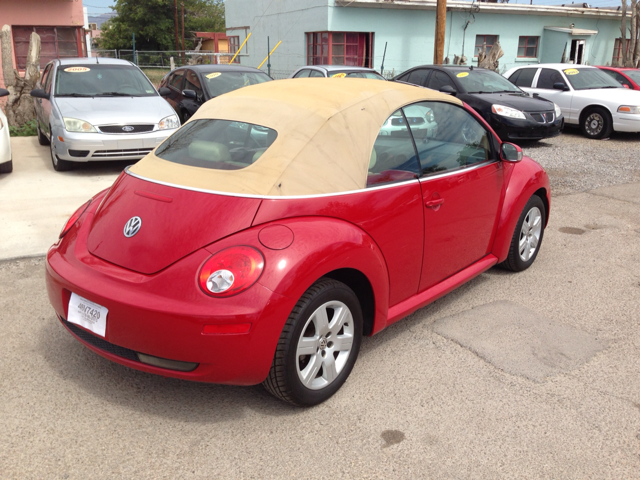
{"type": "Point", "coordinates": [326, 131]}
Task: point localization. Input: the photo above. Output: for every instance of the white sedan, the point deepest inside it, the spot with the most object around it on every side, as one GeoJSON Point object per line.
{"type": "Point", "coordinates": [6, 165]}
{"type": "Point", "coordinates": [588, 97]}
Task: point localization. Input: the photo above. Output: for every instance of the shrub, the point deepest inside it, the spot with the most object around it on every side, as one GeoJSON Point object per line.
{"type": "Point", "coordinates": [26, 130]}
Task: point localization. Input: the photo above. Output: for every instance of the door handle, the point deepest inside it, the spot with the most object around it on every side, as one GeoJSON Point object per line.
{"type": "Point", "coordinates": [434, 203]}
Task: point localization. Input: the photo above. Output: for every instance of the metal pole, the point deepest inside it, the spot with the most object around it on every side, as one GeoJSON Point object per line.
{"type": "Point", "coordinates": [383, 55]}
{"type": "Point", "coordinates": [268, 58]}
{"type": "Point", "coordinates": [134, 48]}
{"type": "Point", "coordinates": [175, 4]}
{"type": "Point", "coordinates": [441, 22]}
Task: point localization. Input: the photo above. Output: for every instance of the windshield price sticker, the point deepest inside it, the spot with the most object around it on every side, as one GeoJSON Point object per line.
{"type": "Point", "coordinates": [462, 74]}
{"type": "Point", "coordinates": [213, 75]}
{"type": "Point", "coordinates": [87, 314]}
{"type": "Point", "coordinates": [572, 71]}
{"type": "Point", "coordinates": [77, 69]}
{"type": "Point", "coordinates": [339, 75]}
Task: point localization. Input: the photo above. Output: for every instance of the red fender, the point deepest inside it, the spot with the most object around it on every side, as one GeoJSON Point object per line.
{"type": "Point", "coordinates": [523, 179]}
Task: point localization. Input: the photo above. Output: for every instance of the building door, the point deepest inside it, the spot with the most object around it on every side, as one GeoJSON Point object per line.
{"type": "Point", "coordinates": [577, 51]}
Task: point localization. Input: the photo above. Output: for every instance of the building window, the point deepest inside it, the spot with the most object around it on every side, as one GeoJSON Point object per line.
{"type": "Point", "coordinates": [528, 47]}
{"type": "Point", "coordinates": [617, 52]}
{"type": "Point", "coordinates": [56, 42]}
{"type": "Point", "coordinates": [234, 45]}
{"type": "Point", "coordinates": [339, 48]}
{"type": "Point", "coordinates": [484, 40]}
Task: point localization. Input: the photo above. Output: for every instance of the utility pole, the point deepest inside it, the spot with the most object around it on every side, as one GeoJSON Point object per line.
{"type": "Point", "coordinates": [175, 4]}
{"type": "Point", "coordinates": [182, 3]}
{"type": "Point", "coordinates": [441, 23]}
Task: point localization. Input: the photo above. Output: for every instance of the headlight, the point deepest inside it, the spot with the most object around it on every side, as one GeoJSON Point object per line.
{"type": "Point", "coordinates": [557, 109]}
{"type": "Point", "coordinates": [507, 111]}
{"type": "Point", "coordinates": [75, 125]}
{"type": "Point", "coordinates": [628, 109]}
{"type": "Point", "coordinates": [169, 122]}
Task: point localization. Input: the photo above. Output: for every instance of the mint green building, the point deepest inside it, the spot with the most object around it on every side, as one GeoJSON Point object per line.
{"type": "Point", "coordinates": [355, 32]}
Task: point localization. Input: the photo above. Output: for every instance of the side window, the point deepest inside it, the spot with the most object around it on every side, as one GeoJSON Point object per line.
{"type": "Point", "coordinates": [403, 78]}
{"type": "Point", "coordinates": [303, 73]}
{"type": "Point", "coordinates": [621, 79]}
{"type": "Point", "coordinates": [176, 81]}
{"type": "Point", "coordinates": [548, 77]}
{"type": "Point", "coordinates": [524, 77]}
{"type": "Point", "coordinates": [393, 158]}
{"type": "Point", "coordinates": [46, 79]}
{"type": "Point", "coordinates": [447, 137]}
{"type": "Point", "coordinates": [439, 80]}
{"type": "Point", "coordinates": [315, 73]}
{"type": "Point", "coordinates": [193, 83]}
{"type": "Point", "coordinates": [419, 77]}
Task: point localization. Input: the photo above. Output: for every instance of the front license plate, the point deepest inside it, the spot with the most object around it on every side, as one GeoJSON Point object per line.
{"type": "Point", "coordinates": [88, 314]}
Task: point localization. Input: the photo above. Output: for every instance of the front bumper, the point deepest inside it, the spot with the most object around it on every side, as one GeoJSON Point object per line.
{"type": "Point", "coordinates": [509, 129]}
{"type": "Point", "coordinates": [163, 315]}
{"type": "Point", "coordinates": [91, 147]}
{"type": "Point", "coordinates": [626, 122]}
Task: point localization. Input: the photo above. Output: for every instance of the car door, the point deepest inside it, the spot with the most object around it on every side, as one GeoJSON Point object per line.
{"type": "Point", "coordinates": [547, 78]}
{"type": "Point", "coordinates": [462, 190]}
{"type": "Point", "coordinates": [439, 79]}
{"type": "Point", "coordinates": [189, 106]}
{"type": "Point", "coordinates": [175, 84]}
{"type": "Point", "coordinates": [40, 116]}
{"type": "Point", "coordinates": [49, 88]}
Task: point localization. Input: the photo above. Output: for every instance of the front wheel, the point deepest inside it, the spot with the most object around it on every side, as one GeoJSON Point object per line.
{"type": "Point", "coordinates": [42, 140]}
{"type": "Point", "coordinates": [59, 165]}
{"type": "Point", "coordinates": [318, 346]}
{"type": "Point", "coordinates": [527, 237]}
{"type": "Point", "coordinates": [596, 123]}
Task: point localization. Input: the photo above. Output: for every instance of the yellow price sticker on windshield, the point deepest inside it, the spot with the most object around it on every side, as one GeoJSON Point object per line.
{"type": "Point", "coordinates": [338, 75]}
{"type": "Point", "coordinates": [462, 74]}
{"type": "Point", "coordinates": [572, 71]}
{"type": "Point", "coordinates": [77, 69]}
{"type": "Point", "coordinates": [213, 75]}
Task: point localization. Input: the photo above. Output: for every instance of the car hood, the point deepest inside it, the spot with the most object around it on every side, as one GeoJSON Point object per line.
{"type": "Point", "coordinates": [524, 103]}
{"type": "Point", "coordinates": [115, 110]}
{"type": "Point", "coordinates": [619, 96]}
{"type": "Point", "coordinates": [174, 223]}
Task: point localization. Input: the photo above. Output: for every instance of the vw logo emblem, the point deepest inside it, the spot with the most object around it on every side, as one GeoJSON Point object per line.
{"type": "Point", "coordinates": [127, 128]}
{"type": "Point", "coordinates": [132, 227]}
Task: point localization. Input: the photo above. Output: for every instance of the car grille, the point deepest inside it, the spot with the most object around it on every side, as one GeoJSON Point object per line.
{"type": "Point", "coordinates": [119, 128]}
{"type": "Point", "coordinates": [543, 117]}
{"type": "Point", "coordinates": [100, 343]}
{"type": "Point", "coordinates": [131, 152]}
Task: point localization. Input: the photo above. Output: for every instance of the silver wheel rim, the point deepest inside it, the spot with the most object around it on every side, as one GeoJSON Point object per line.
{"type": "Point", "coordinates": [594, 124]}
{"type": "Point", "coordinates": [54, 158]}
{"type": "Point", "coordinates": [324, 345]}
{"type": "Point", "coordinates": [530, 234]}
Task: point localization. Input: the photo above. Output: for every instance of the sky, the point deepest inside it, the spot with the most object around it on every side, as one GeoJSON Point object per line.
{"type": "Point", "coordinates": [96, 7]}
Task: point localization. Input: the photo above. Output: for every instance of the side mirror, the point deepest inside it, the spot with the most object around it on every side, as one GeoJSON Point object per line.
{"type": "Point", "coordinates": [189, 94]}
{"type": "Point", "coordinates": [164, 92]}
{"type": "Point", "coordinates": [448, 89]}
{"type": "Point", "coordinates": [39, 93]}
{"type": "Point", "coordinates": [510, 152]}
{"type": "Point", "coordinates": [561, 86]}
{"type": "Point", "coordinates": [4, 92]}
{"type": "Point", "coordinates": [624, 85]}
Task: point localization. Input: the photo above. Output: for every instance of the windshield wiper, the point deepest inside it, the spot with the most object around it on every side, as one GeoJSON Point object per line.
{"type": "Point", "coordinates": [114, 94]}
{"type": "Point", "coordinates": [74, 95]}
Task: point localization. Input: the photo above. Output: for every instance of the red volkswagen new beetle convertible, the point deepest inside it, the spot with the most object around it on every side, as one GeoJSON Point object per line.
{"type": "Point", "coordinates": [284, 222]}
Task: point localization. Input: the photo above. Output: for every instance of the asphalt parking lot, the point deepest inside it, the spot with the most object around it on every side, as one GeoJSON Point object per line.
{"type": "Point", "coordinates": [530, 375]}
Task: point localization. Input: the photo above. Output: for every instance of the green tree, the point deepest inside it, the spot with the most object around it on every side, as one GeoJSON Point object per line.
{"type": "Point", "coordinates": [153, 22]}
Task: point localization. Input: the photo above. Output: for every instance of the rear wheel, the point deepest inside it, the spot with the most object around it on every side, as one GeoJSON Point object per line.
{"type": "Point", "coordinates": [59, 165]}
{"type": "Point", "coordinates": [318, 346]}
{"type": "Point", "coordinates": [596, 123]}
{"type": "Point", "coordinates": [527, 237]}
{"type": "Point", "coordinates": [6, 167]}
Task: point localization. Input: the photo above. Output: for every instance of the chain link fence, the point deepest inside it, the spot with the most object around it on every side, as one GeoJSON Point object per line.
{"type": "Point", "coordinates": [162, 59]}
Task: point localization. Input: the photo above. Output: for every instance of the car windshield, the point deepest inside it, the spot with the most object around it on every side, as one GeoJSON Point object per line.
{"type": "Point", "coordinates": [217, 144]}
{"type": "Point", "coordinates": [485, 81]}
{"type": "Point", "coordinates": [633, 75]}
{"type": "Point", "coordinates": [102, 80]}
{"type": "Point", "coordinates": [590, 78]}
{"type": "Point", "coordinates": [218, 83]}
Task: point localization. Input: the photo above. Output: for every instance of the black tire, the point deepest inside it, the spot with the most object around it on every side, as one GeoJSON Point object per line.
{"type": "Point", "coordinates": [516, 261]}
{"type": "Point", "coordinates": [284, 379]}
{"type": "Point", "coordinates": [596, 123]}
{"type": "Point", "coordinates": [6, 167]}
{"type": "Point", "coordinates": [59, 165]}
{"type": "Point", "coordinates": [42, 139]}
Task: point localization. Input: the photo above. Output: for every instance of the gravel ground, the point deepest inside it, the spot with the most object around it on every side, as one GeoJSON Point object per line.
{"type": "Point", "coordinates": [577, 164]}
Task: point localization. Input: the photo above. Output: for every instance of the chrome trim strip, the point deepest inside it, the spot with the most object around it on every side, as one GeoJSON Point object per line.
{"type": "Point", "coordinates": [267, 197]}
{"type": "Point", "coordinates": [454, 172]}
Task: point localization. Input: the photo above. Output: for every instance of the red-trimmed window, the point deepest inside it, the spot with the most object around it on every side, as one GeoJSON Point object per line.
{"type": "Point", "coordinates": [234, 45]}
{"type": "Point", "coordinates": [617, 51]}
{"type": "Point", "coordinates": [56, 42]}
{"type": "Point", "coordinates": [484, 40]}
{"type": "Point", "coordinates": [528, 47]}
{"type": "Point", "coordinates": [339, 48]}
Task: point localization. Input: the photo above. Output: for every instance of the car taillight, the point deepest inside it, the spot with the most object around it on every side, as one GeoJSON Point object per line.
{"type": "Point", "coordinates": [231, 271]}
{"type": "Point", "coordinates": [74, 218]}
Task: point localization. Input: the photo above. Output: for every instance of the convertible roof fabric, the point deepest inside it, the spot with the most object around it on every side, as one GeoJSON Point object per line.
{"type": "Point", "coordinates": [326, 131]}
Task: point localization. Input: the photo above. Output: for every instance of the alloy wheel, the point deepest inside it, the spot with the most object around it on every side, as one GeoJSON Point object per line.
{"type": "Point", "coordinates": [530, 234]}
{"type": "Point", "coordinates": [594, 124]}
